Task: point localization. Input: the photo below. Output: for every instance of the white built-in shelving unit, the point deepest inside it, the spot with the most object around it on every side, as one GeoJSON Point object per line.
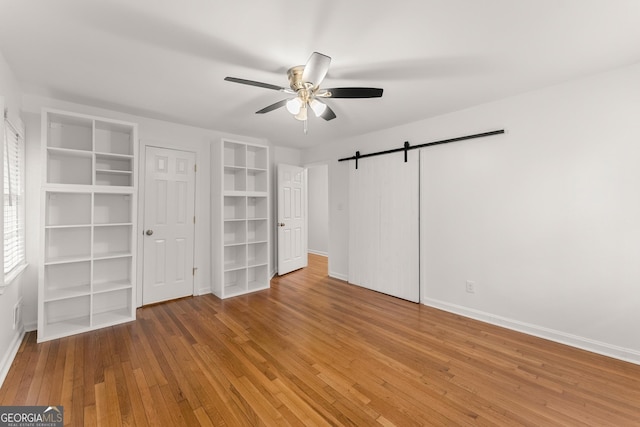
{"type": "Point", "coordinates": [87, 268]}
{"type": "Point", "coordinates": [240, 216]}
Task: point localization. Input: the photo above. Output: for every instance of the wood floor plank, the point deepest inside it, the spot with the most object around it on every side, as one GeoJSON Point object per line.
{"type": "Point", "coordinates": [152, 412]}
{"type": "Point", "coordinates": [313, 350]}
{"type": "Point", "coordinates": [39, 375]}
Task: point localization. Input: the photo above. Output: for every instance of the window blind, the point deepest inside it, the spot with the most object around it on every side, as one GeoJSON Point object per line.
{"type": "Point", "coordinates": [14, 233]}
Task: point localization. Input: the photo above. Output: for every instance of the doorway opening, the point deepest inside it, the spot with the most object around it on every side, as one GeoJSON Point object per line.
{"type": "Point", "coordinates": [318, 214]}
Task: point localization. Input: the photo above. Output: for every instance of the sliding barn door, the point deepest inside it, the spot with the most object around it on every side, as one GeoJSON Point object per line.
{"type": "Point", "coordinates": [384, 225]}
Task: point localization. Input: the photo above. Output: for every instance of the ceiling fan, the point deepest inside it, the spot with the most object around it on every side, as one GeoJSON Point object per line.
{"type": "Point", "coordinates": [304, 83]}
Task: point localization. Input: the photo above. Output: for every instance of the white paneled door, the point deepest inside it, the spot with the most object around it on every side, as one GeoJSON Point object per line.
{"type": "Point", "coordinates": [169, 223]}
{"type": "Point", "coordinates": [292, 233]}
{"type": "Point", "coordinates": [384, 229]}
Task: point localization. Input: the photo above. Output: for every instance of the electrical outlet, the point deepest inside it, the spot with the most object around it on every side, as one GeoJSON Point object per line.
{"type": "Point", "coordinates": [471, 287]}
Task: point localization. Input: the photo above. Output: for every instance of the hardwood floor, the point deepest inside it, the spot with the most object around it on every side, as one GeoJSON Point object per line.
{"type": "Point", "coordinates": [317, 351]}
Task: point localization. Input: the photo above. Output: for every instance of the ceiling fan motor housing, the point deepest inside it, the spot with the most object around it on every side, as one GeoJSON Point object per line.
{"type": "Point", "coordinates": [295, 78]}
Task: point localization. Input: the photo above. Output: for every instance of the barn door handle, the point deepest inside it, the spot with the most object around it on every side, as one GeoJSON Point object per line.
{"type": "Point", "coordinates": [149, 232]}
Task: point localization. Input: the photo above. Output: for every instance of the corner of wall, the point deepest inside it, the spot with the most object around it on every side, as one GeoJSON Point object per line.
{"type": "Point", "coordinates": [10, 354]}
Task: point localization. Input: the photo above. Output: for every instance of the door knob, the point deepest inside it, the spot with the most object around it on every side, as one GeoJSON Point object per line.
{"type": "Point", "coordinates": [149, 232]}
{"type": "Point", "coordinates": [281, 224]}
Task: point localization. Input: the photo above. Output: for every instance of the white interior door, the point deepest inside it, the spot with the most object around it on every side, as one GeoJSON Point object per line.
{"type": "Point", "coordinates": [168, 224]}
{"type": "Point", "coordinates": [384, 232]}
{"type": "Point", "coordinates": [292, 233]}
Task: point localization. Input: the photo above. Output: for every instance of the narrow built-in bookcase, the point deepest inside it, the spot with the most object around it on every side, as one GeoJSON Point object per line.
{"type": "Point", "coordinates": [240, 245]}
{"type": "Point", "coordinates": [87, 269]}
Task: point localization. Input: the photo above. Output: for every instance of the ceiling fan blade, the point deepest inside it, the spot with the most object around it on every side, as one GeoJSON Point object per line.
{"type": "Point", "coordinates": [254, 83]}
{"type": "Point", "coordinates": [316, 68]}
{"type": "Point", "coordinates": [355, 92]}
{"type": "Point", "coordinates": [272, 107]}
{"type": "Point", "coordinates": [328, 114]}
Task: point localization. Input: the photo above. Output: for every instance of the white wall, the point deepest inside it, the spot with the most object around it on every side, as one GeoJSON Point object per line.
{"type": "Point", "coordinates": [318, 197]}
{"type": "Point", "coordinates": [546, 218]}
{"type": "Point", "coordinates": [9, 338]}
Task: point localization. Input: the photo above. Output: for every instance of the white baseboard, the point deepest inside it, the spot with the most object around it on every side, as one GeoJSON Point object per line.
{"type": "Point", "coordinates": [30, 327]}
{"type": "Point", "coordinates": [10, 354]}
{"type": "Point", "coordinates": [338, 276]}
{"type": "Point", "coordinates": [621, 353]}
{"type": "Point", "coordinates": [204, 291]}
{"type": "Point", "coordinates": [312, 251]}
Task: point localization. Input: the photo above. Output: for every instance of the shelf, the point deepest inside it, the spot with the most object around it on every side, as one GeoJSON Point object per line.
{"type": "Point", "coordinates": [234, 178]}
{"type": "Point", "coordinates": [115, 224]}
{"type": "Point", "coordinates": [112, 208]}
{"type": "Point", "coordinates": [234, 154]}
{"type": "Point", "coordinates": [257, 230]}
{"type": "Point", "coordinates": [67, 244]}
{"type": "Point", "coordinates": [66, 293]}
{"type": "Point", "coordinates": [235, 282]}
{"type": "Point", "coordinates": [67, 280]}
{"type": "Point", "coordinates": [69, 152]}
{"type": "Point", "coordinates": [234, 290]}
{"type": "Point", "coordinates": [114, 178]}
{"type": "Point", "coordinates": [113, 172]}
{"type": "Point", "coordinates": [48, 227]}
{"type": "Point", "coordinates": [69, 167]}
{"type": "Point", "coordinates": [108, 272]}
{"type": "Point", "coordinates": [257, 254]}
{"type": "Point", "coordinates": [257, 157]}
{"type": "Point", "coordinates": [70, 132]}
{"type": "Point", "coordinates": [113, 300]}
{"type": "Point", "coordinates": [234, 232]}
{"type": "Point", "coordinates": [110, 318]}
{"type": "Point", "coordinates": [257, 208]}
{"type": "Point", "coordinates": [113, 255]}
{"type": "Point", "coordinates": [66, 259]}
{"type": "Point", "coordinates": [114, 163]}
{"type": "Point", "coordinates": [66, 316]}
{"type": "Point", "coordinates": [113, 138]}
{"type": "Point", "coordinates": [110, 286]}
{"type": "Point", "coordinates": [235, 257]}
{"type": "Point", "coordinates": [67, 209]}
{"type": "Point", "coordinates": [257, 278]}
{"type": "Point", "coordinates": [234, 267]}
{"type": "Point", "coordinates": [235, 193]}
{"type": "Point", "coordinates": [112, 307]}
{"type": "Point", "coordinates": [110, 241]}
{"type": "Point", "coordinates": [235, 207]}
{"type": "Point", "coordinates": [65, 327]}
{"type": "Point", "coordinates": [113, 156]}
{"type": "Point", "coordinates": [256, 180]}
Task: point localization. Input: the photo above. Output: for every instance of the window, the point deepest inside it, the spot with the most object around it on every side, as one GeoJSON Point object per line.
{"type": "Point", "coordinates": [14, 218]}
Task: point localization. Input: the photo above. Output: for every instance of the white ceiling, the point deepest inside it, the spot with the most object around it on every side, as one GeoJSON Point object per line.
{"type": "Point", "coordinates": [167, 59]}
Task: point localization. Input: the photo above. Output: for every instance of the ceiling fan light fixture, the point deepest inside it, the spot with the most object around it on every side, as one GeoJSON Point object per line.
{"type": "Point", "coordinates": [294, 105]}
{"type": "Point", "coordinates": [317, 107]}
{"type": "Point", "coordinates": [302, 115]}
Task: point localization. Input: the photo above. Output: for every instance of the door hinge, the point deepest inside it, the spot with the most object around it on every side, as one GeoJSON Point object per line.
{"type": "Point", "coordinates": [194, 271]}
{"type": "Point", "coordinates": [195, 167]}
{"type": "Point", "coordinates": [194, 219]}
